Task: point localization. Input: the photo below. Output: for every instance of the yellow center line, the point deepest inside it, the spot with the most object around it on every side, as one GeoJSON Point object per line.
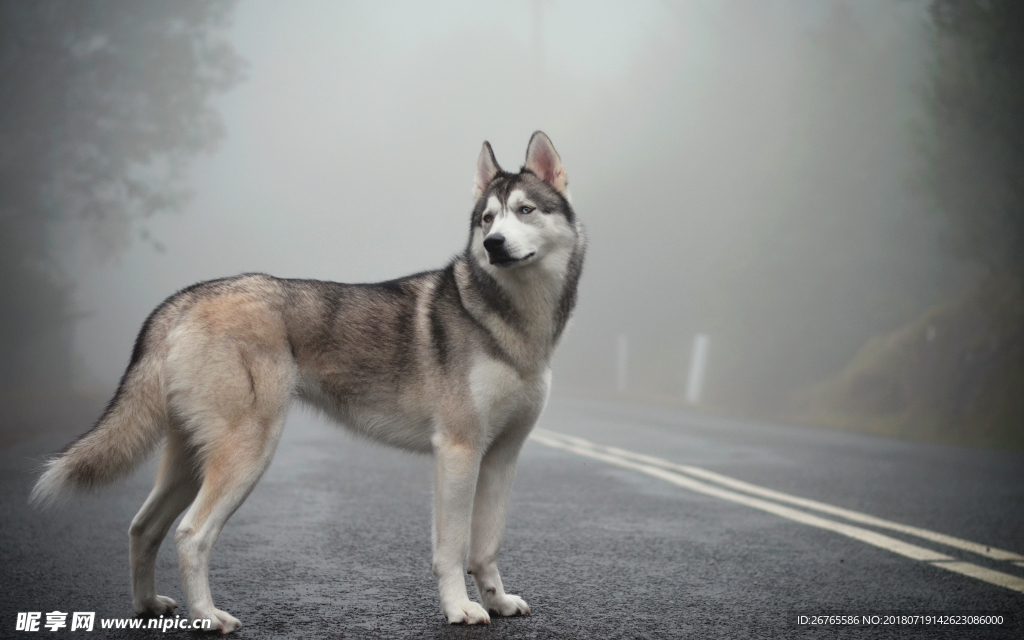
{"type": "Point", "coordinates": [667, 471]}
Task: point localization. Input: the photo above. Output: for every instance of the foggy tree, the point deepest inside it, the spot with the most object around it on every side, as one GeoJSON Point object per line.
{"type": "Point", "coordinates": [977, 103]}
{"type": "Point", "coordinates": [957, 370]}
{"type": "Point", "coordinates": [835, 250]}
{"type": "Point", "coordinates": [102, 104]}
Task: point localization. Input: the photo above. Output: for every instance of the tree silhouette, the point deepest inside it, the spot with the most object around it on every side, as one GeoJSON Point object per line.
{"type": "Point", "coordinates": [977, 102]}
{"type": "Point", "coordinates": [102, 104]}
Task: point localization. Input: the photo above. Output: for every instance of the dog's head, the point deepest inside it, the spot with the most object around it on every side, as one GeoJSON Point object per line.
{"type": "Point", "coordinates": [524, 218]}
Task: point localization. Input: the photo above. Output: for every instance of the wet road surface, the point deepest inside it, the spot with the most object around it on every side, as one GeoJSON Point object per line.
{"type": "Point", "coordinates": [335, 540]}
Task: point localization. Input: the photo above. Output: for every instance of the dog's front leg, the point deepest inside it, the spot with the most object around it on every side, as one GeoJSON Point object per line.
{"type": "Point", "coordinates": [497, 471]}
{"type": "Point", "coordinates": [456, 466]}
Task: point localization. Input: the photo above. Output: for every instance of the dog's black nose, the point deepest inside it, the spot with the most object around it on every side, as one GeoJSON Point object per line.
{"type": "Point", "coordinates": [494, 242]}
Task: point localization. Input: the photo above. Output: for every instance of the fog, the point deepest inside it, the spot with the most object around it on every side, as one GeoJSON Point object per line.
{"type": "Point", "coordinates": [748, 170]}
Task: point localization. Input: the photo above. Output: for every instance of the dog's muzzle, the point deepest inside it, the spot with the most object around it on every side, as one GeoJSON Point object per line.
{"type": "Point", "coordinates": [496, 252]}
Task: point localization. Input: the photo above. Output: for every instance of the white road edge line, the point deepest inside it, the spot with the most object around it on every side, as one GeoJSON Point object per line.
{"type": "Point", "coordinates": [856, 516]}
{"type": "Point", "coordinates": [900, 547]}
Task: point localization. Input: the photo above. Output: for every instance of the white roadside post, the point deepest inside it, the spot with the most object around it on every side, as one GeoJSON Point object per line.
{"type": "Point", "coordinates": [621, 363]}
{"type": "Point", "coordinates": [698, 366]}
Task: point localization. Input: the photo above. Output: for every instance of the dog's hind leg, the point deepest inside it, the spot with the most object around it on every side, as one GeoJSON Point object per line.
{"type": "Point", "coordinates": [176, 486]}
{"type": "Point", "coordinates": [232, 466]}
{"type": "Point", "coordinates": [230, 377]}
{"type": "Point", "coordinates": [494, 486]}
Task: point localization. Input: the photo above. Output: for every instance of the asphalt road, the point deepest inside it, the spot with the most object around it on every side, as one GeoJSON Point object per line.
{"type": "Point", "coordinates": [335, 540]}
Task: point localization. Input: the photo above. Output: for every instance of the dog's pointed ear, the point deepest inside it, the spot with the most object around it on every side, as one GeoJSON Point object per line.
{"type": "Point", "coordinates": [486, 168]}
{"type": "Point", "coordinates": [543, 161]}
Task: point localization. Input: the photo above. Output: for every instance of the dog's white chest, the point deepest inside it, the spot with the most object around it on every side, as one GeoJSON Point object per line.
{"type": "Point", "coordinates": [501, 394]}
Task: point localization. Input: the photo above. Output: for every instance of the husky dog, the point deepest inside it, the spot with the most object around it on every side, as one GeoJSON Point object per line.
{"type": "Point", "coordinates": [453, 362]}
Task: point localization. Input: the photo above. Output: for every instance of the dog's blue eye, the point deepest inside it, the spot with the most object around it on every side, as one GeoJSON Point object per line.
{"type": "Point", "coordinates": [525, 210]}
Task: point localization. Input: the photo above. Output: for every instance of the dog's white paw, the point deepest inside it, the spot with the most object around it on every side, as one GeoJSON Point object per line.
{"type": "Point", "coordinates": [161, 606]}
{"type": "Point", "coordinates": [507, 605]}
{"type": "Point", "coordinates": [466, 612]}
{"type": "Point", "coordinates": [221, 621]}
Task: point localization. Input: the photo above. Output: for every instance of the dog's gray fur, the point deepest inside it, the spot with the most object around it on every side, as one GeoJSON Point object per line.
{"type": "Point", "coordinates": [453, 362]}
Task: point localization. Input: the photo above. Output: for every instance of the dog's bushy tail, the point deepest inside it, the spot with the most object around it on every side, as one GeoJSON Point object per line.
{"type": "Point", "coordinates": [134, 422]}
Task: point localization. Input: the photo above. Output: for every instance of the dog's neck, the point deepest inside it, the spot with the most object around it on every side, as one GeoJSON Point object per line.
{"type": "Point", "coordinates": [524, 309]}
